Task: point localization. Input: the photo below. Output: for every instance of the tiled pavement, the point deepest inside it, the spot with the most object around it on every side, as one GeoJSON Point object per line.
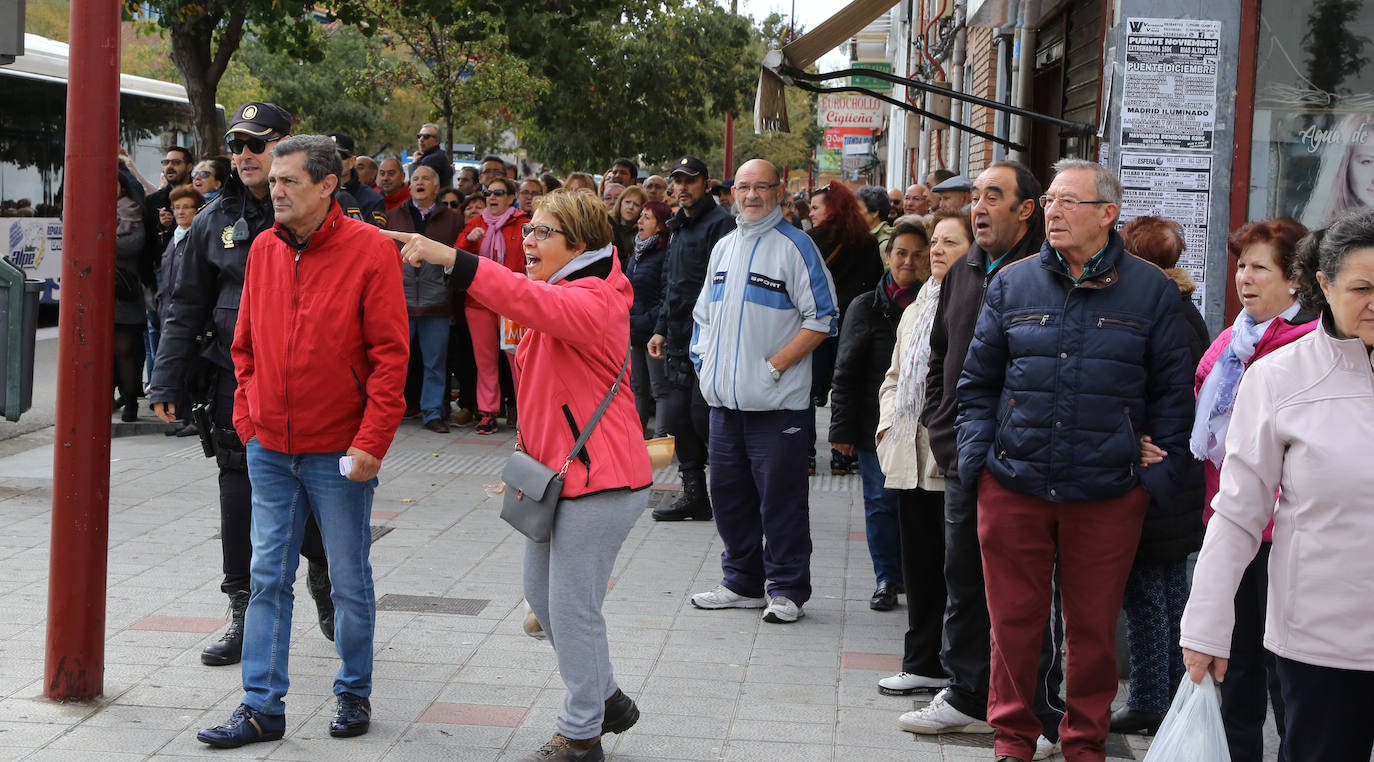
{"type": "Point", "coordinates": [711, 685]}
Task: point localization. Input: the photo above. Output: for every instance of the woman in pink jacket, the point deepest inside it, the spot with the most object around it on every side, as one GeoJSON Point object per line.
{"type": "Point", "coordinates": [1303, 429]}
{"type": "Point", "coordinates": [576, 303]}
{"type": "Point", "coordinates": [1265, 253]}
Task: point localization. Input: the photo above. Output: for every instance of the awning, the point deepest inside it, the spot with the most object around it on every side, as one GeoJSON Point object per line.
{"type": "Point", "coordinates": [788, 67]}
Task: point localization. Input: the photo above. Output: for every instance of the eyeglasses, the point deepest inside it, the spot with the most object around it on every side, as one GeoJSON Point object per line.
{"type": "Point", "coordinates": [452, 204]}
{"type": "Point", "coordinates": [540, 232]}
{"type": "Point", "coordinates": [1066, 205]}
{"type": "Point", "coordinates": [499, 192]}
{"type": "Point", "coordinates": [755, 188]}
{"type": "Point", "coordinates": [254, 145]}
{"type": "Point", "coordinates": [426, 136]}
{"type": "Point", "coordinates": [165, 162]}
{"type": "Point", "coordinates": [493, 171]}
{"type": "Point", "coordinates": [201, 174]}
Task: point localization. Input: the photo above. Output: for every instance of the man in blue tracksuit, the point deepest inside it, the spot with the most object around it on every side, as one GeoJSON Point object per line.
{"type": "Point", "coordinates": [767, 302]}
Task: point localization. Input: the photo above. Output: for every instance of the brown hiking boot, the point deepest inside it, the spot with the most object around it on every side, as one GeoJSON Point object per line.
{"type": "Point", "coordinates": [563, 749]}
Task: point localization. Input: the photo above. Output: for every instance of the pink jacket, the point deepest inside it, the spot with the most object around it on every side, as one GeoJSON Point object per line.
{"type": "Point", "coordinates": [578, 338]}
{"type": "Point", "coordinates": [1280, 333]}
{"type": "Point", "coordinates": [1303, 428]}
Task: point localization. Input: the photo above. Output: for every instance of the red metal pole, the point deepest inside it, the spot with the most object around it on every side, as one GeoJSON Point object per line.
{"type": "Point", "coordinates": [75, 664]}
{"type": "Point", "coordinates": [729, 171]}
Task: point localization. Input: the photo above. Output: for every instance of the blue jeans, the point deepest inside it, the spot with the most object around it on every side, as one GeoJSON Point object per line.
{"type": "Point", "coordinates": [429, 336]}
{"type": "Point", "coordinates": [881, 520]}
{"type": "Point", "coordinates": [287, 488]}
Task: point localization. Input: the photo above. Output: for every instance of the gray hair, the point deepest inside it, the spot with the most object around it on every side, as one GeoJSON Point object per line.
{"type": "Point", "coordinates": [875, 199]}
{"type": "Point", "coordinates": [1107, 185]}
{"type": "Point", "coordinates": [321, 155]}
{"type": "Point", "coordinates": [432, 125]}
{"type": "Point", "coordinates": [1326, 250]}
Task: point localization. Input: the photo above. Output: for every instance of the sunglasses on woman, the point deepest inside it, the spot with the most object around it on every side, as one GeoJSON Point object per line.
{"type": "Point", "coordinates": [499, 192]}
{"type": "Point", "coordinates": [452, 204]}
{"type": "Point", "coordinates": [201, 174]}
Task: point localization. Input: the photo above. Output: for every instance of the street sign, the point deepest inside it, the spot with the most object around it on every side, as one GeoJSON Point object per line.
{"type": "Point", "coordinates": [872, 83]}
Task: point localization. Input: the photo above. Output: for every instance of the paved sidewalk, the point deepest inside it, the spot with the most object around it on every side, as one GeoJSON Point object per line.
{"type": "Point", "coordinates": [455, 686]}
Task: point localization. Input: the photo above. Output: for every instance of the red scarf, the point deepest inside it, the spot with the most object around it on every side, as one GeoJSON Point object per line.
{"type": "Point", "coordinates": [396, 199]}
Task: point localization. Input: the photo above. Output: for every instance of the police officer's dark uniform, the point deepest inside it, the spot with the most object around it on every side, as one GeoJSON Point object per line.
{"type": "Point", "coordinates": [200, 323]}
{"type": "Point", "coordinates": [355, 199]}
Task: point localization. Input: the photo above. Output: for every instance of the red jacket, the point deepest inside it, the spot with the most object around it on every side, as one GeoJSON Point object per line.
{"type": "Point", "coordinates": [515, 247]}
{"type": "Point", "coordinates": [322, 341]}
{"type": "Point", "coordinates": [578, 338]}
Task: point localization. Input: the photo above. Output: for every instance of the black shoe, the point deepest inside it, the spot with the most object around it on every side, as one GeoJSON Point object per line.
{"type": "Point", "coordinates": [352, 717]}
{"type": "Point", "coordinates": [246, 725]}
{"type": "Point", "coordinates": [884, 598]}
{"type": "Point", "coordinates": [229, 648]}
{"type": "Point", "coordinates": [189, 430]}
{"type": "Point", "coordinates": [317, 581]}
{"type": "Point", "coordinates": [1132, 722]}
{"type": "Point", "coordinates": [694, 503]}
{"type": "Point", "coordinates": [437, 426]}
{"type": "Point", "coordinates": [130, 413]}
{"type": "Point", "coordinates": [621, 714]}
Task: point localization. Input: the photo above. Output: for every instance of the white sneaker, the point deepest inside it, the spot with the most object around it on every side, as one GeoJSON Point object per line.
{"type": "Point", "coordinates": [904, 683]}
{"type": "Point", "coordinates": [725, 598]}
{"type": "Point", "coordinates": [1044, 749]}
{"type": "Point", "coordinates": [533, 628]}
{"type": "Point", "coordinates": [939, 717]}
{"type": "Point", "coordinates": [781, 610]}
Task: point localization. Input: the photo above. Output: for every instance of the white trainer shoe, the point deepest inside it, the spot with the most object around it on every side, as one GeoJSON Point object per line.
{"type": "Point", "coordinates": [781, 610]}
{"type": "Point", "coordinates": [939, 717]}
{"type": "Point", "coordinates": [725, 598]}
{"type": "Point", "coordinates": [1044, 749]}
{"type": "Point", "coordinates": [904, 683]}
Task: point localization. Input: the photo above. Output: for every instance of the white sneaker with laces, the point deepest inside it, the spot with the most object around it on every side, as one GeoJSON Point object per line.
{"type": "Point", "coordinates": [939, 717]}
{"type": "Point", "coordinates": [725, 598]}
{"type": "Point", "coordinates": [1044, 749]}
{"type": "Point", "coordinates": [781, 610]}
{"type": "Point", "coordinates": [904, 683]}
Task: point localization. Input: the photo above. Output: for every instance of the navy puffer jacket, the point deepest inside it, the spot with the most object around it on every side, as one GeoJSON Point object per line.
{"type": "Point", "coordinates": [1063, 379]}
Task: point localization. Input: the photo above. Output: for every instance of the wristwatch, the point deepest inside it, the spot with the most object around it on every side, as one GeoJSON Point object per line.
{"type": "Point", "coordinates": [774, 372]}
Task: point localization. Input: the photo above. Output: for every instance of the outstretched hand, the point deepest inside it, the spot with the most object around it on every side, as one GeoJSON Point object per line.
{"type": "Point", "coordinates": [416, 249]}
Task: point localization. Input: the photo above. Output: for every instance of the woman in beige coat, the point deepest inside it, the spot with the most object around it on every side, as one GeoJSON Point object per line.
{"type": "Point", "coordinates": [1303, 428]}
{"type": "Point", "coordinates": [904, 454]}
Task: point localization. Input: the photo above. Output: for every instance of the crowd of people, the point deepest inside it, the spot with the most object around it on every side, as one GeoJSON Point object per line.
{"type": "Point", "coordinates": [1040, 420]}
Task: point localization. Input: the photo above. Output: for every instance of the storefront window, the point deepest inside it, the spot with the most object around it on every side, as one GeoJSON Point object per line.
{"type": "Point", "coordinates": [1312, 155]}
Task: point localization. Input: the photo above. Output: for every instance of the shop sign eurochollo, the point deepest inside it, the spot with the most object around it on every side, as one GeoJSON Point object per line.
{"type": "Point", "coordinates": [848, 110]}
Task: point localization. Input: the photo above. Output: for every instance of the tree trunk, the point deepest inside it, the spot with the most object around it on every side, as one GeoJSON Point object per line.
{"type": "Point", "coordinates": [201, 66]}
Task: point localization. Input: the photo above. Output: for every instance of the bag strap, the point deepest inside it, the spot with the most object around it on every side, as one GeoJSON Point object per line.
{"type": "Point", "coordinates": [833, 253]}
{"type": "Point", "coordinates": [596, 417]}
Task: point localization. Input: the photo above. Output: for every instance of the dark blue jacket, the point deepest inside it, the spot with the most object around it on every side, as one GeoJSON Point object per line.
{"type": "Point", "coordinates": [1062, 380]}
{"type": "Point", "coordinates": [689, 251]}
{"type": "Point", "coordinates": [646, 276]}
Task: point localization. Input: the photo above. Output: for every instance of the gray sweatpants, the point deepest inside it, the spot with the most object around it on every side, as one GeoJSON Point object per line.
{"type": "Point", "coordinates": [565, 584]}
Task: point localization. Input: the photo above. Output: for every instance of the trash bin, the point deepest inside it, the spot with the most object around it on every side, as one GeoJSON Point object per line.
{"type": "Point", "coordinates": [18, 333]}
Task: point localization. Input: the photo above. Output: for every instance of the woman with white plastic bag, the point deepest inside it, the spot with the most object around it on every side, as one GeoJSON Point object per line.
{"type": "Point", "coordinates": [1303, 427]}
{"type": "Point", "coordinates": [1192, 730]}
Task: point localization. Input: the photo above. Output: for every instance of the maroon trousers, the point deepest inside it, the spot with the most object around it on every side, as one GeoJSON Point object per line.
{"type": "Point", "coordinates": [1093, 543]}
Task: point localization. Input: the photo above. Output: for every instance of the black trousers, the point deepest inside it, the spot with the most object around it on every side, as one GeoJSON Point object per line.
{"type": "Point", "coordinates": [967, 648]}
{"type": "Point", "coordinates": [1328, 712]}
{"type": "Point", "coordinates": [922, 520]}
{"type": "Point", "coordinates": [128, 362]}
{"type": "Point", "coordinates": [1251, 674]}
{"type": "Point", "coordinates": [687, 417]}
{"type": "Point", "coordinates": [236, 504]}
{"type": "Point", "coordinates": [461, 362]}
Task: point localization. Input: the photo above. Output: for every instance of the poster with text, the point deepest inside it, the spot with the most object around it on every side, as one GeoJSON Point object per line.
{"type": "Point", "coordinates": [1170, 84]}
{"type": "Point", "coordinates": [1177, 187]}
{"type": "Point", "coordinates": [1314, 166]}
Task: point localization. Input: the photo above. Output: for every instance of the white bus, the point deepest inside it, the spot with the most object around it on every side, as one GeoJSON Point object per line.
{"type": "Point", "coordinates": [33, 123]}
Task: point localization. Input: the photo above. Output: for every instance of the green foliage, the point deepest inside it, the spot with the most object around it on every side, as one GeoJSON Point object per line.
{"type": "Point", "coordinates": [652, 81]}
{"type": "Point", "coordinates": [329, 94]}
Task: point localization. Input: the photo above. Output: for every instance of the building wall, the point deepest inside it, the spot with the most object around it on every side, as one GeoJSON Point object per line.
{"type": "Point", "coordinates": [982, 81]}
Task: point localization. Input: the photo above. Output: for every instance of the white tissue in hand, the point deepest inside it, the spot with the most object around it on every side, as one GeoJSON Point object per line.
{"type": "Point", "coordinates": [345, 465]}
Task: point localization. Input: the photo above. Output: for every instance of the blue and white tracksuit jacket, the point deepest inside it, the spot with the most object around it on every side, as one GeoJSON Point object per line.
{"type": "Point", "coordinates": [765, 281]}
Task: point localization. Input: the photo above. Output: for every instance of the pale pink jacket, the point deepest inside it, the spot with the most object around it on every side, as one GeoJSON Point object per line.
{"type": "Point", "coordinates": [1304, 427]}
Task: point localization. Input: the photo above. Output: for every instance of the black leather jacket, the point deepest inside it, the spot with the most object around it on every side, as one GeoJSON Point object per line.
{"type": "Point", "coordinates": [205, 299]}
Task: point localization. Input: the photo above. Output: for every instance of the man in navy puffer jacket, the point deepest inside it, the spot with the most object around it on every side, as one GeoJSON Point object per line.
{"type": "Point", "coordinates": [1078, 355]}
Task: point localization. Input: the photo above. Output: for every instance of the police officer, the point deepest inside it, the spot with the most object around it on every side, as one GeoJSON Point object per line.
{"type": "Point", "coordinates": [355, 199]}
{"type": "Point", "coordinates": [204, 309]}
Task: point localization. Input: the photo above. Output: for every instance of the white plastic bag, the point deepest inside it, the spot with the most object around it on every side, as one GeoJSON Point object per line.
{"type": "Point", "coordinates": [1192, 730]}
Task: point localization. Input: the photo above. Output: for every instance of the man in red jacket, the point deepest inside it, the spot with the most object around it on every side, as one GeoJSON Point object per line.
{"type": "Point", "coordinates": [320, 352]}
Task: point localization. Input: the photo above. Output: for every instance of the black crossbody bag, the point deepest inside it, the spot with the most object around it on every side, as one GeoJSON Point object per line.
{"type": "Point", "coordinates": [533, 489]}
